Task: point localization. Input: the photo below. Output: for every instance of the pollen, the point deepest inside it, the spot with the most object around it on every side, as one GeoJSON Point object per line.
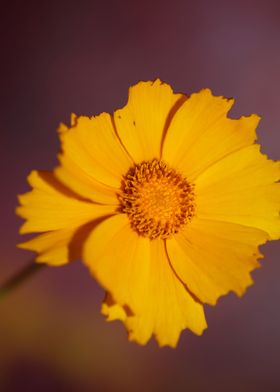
{"type": "Point", "coordinates": [157, 199]}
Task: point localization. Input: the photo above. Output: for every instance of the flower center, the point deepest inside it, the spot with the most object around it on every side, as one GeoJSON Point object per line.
{"type": "Point", "coordinates": [157, 199]}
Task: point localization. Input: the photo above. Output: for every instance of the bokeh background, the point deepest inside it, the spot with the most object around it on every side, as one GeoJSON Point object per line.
{"type": "Point", "coordinates": [59, 57]}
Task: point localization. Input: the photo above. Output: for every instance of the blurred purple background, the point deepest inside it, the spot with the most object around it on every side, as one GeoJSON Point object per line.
{"type": "Point", "coordinates": [63, 57]}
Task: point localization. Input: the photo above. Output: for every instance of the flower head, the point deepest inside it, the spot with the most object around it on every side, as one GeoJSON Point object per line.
{"type": "Point", "coordinates": [166, 202]}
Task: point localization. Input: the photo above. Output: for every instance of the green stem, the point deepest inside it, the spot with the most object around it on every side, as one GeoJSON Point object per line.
{"type": "Point", "coordinates": [19, 278]}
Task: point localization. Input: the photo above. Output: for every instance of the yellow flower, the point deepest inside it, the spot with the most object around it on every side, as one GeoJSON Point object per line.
{"type": "Point", "coordinates": [166, 202]}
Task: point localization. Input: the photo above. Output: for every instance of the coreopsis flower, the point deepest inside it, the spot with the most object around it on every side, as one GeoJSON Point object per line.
{"type": "Point", "coordinates": [166, 201]}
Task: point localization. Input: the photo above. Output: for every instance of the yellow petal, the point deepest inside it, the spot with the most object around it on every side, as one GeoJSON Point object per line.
{"type": "Point", "coordinates": [172, 308]}
{"type": "Point", "coordinates": [143, 122]}
{"type": "Point", "coordinates": [213, 258]}
{"type": "Point", "coordinates": [80, 182]}
{"type": "Point", "coordinates": [52, 247]}
{"type": "Point", "coordinates": [59, 247]}
{"type": "Point", "coordinates": [92, 156]}
{"type": "Point", "coordinates": [73, 122]}
{"type": "Point", "coordinates": [51, 206]}
{"type": "Point", "coordinates": [200, 133]}
{"type": "Point", "coordinates": [242, 189]}
{"type": "Point", "coordinates": [112, 310]}
{"type": "Point", "coordinates": [137, 273]}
